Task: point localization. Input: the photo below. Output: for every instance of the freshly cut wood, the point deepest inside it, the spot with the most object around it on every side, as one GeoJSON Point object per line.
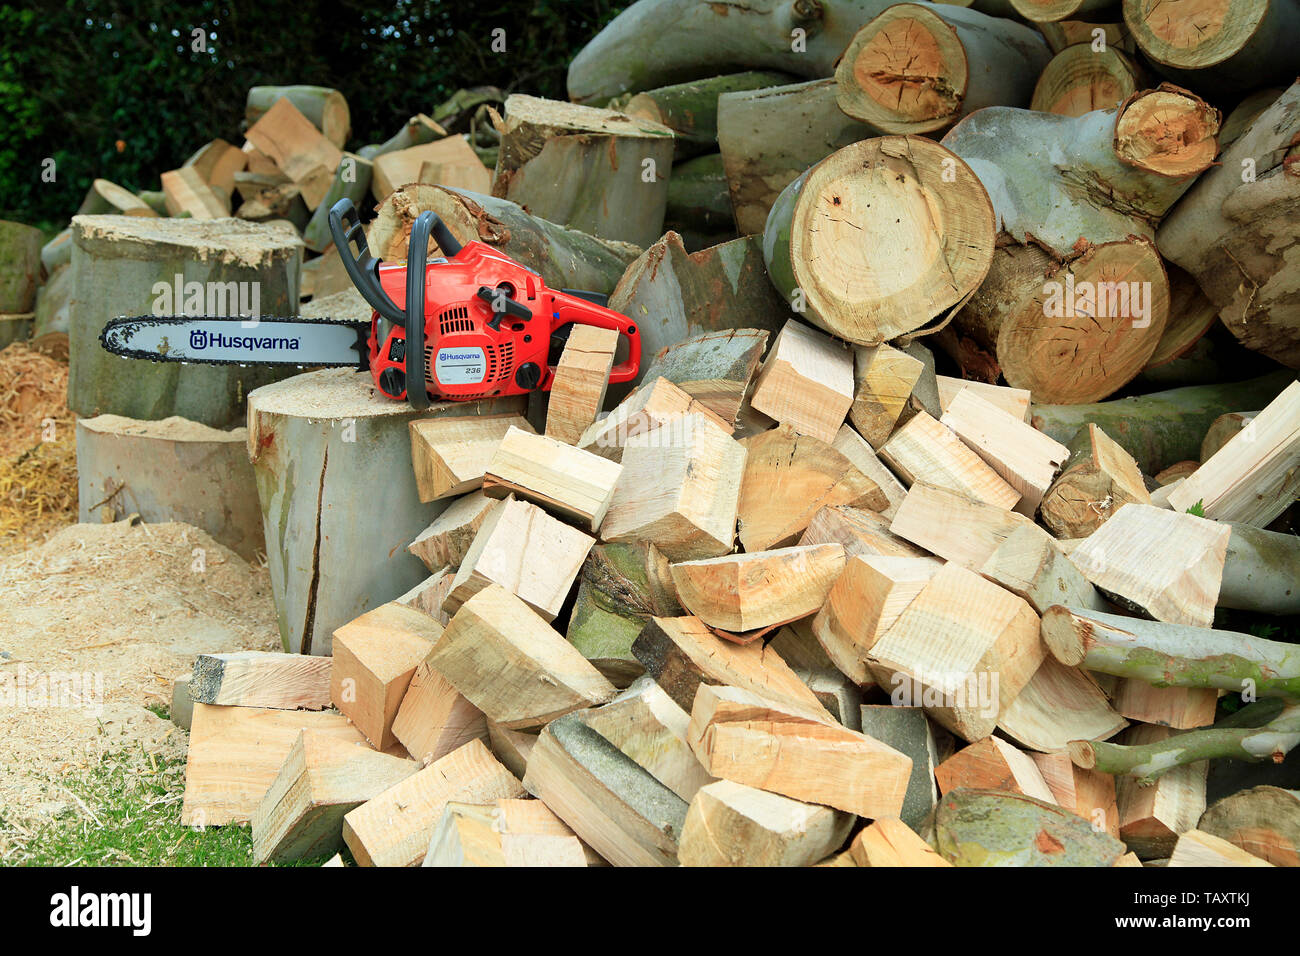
{"type": "Point", "coordinates": [1097, 479]}
{"type": "Point", "coordinates": [511, 747]}
{"type": "Point", "coordinates": [187, 194]}
{"type": "Point", "coordinates": [924, 450]}
{"type": "Point", "coordinates": [375, 657]}
{"type": "Point", "coordinates": [916, 69]}
{"type": "Point", "coordinates": [1152, 815]}
{"type": "Point", "coordinates": [470, 835]}
{"type": "Point", "coordinates": [1130, 560]}
{"type": "Point", "coordinates": [1088, 793]}
{"type": "Point", "coordinates": [996, 828]}
{"type": "Point", "coordinates": [1013, 401]}
{"type": "Point", "coordinates": [841, 697]}
{"type": "Point", "coordinates": [1198, 848]}
{"type": "Point", "coordinates": [322, 778]}
{"type": "Point", "coordinates": [554, 156]}
{"type": "Point", "coordinates": [561, 478]}
{"type": "Point", "coordinates": [1181, 708]}
{"type": "Point", "coordinates": [690, 109]}
{"type": "Point", "coordinates": [611, 802]}
{"type": "Point", "coordinates": [428, 595]}
{"type": "Point", "coordinates": [652, 405]}
{"type": "Point", "coordinates": [730, 824]}
{"type": "Point", "coordinates": [1031, 564]}
{"type": "Point", "coordinates": [682, 654]}
{"type": "Point", "coordinates": [511, 665]}
{"type": "Point", "coordinates": [218, 162]}
{"type": "Point", "coordinates": [1255, 476]}
{"type": "Point", "coordinates": [417, 131]}
{"type": "Point", "coordinates": [1263, 821]}
{"type": "Point", "coordinates": [352, 178]}
{"type": "Point", "coordinates": [679, 489]}
{"type": "Point", "coordinates": [580, 380]}
{"type": "Point", "coordinates": [858, 532]}
{"type": "Point", "coordinates": [1191, 315]}
{"type": "Point", "coordinates": [236, 752]}
{"type": "Point", "coordinates": [449, 162]}
{"type": "Point", "coordinates": [108, 198]}
{"type": "Point", "coordinates": [446, 542]}
{"type": "Point", "coordinates": [1175, 473]}
{"type": "Point", "coordinates": [993, 764]}
{"type": "Point", "coordinates": [748, 592]}
{"type": "Point", "coordinates": [1222, 430]}
{"type": "Point", "coordinates": [788, 479]}
{"type": "Point", "coordinates": [891, 842]}
{"type": "Point", "coordinates": [964, 649]}
{"type": "Point", "coordinates": [182, 709]}
{"type": "Point", "coordinates": [955, 527]}
{"type": "Point", "coordinates": [298, 148]}
{"type": "Point", "coordinates": [806, 382]}
{"type": "Point", "coordinates": [743, 737]}
{"type": "Point", "coordinates": [883, 378]}
{"type": "Point", "coordinates": [450, 454]}
{"type": "Point", "coordinates": [526, 551]}
{"type": "Point", "coordinates": [1160, 496]}
{"type": "Point", "coordinates": [1080, 79]}
{"type": "Point", "coordinates": [1023, 456]}
{"type": "Point", "coordinates": [434, 718]}
{"type": "Point", "coordinates": [863, 457]}
{"type": "Point", "coordinates": [879, 238]}
{"type": "Point", "coordinates": [262, 679]}
{"type": "Point", "coordinates": [908, 731]}
{"type": "Point", "coordinates": [714, 368]}
{"type": "Point", "coordinates": [863, 603]}
{"type": "Point", "coordinates": [327, 109]}
{"type": "Point", "coordinates": [1054, 11]}
{"type": "Point", "coordinates": [275, 202]}
{"type": "Point", "coordinates": [394, 828]}
{"type": "Point", "coordinates": [1058, 705]}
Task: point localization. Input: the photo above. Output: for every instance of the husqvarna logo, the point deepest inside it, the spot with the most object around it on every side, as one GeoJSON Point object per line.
{"type": "Point", "coordinates": [198, 339]}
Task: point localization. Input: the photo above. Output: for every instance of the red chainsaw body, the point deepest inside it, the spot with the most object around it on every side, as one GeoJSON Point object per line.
{"type": "Point", "coordinates": [465, 357]}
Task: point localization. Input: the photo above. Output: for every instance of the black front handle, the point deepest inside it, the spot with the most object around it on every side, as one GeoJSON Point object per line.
{"type": "Point", "coordinates": [362, 268]}
{"type": "Point", "coordinates": [417, 389]}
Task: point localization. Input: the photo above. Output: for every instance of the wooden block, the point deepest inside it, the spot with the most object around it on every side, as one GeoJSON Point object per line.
{"type": "Point", "coordinates": [428, 596]}
{"type": "Point", "coordinates": [746, 738]}
{"type": "Point", "coordinates": [955, 526]}
{"type": "Point", "coordinates": [647, 725]}
{"type": "Point", "coordinates": [747, 592]}
{"type": "Point", "coordinates": [1263, 821]}
{"type": "Point", "coordinates": [1181, 708]}
{"type": "Point", "coordinates": [864, 603]}
{"type": "Point", "coordinates": [858, 532]}
{"type": "Point", "coordinates": [321, 779]}
{"type": "Point", "coordinates": [891, 842]}
{"type": "Point", "coordinates": [185, 192]}
{"type": "Point", "coordinates": [863, 457]}
{"type": "Point", "coordinates": [992, 764]}
{"type": "Point", "coordinates": [235, 754]}
{"type": "Point", "coordinates": [925, 450]}
{"type": "Point", "coordinates": [375, 657]}
{"type": "Point", "coordinates": [445, 542]}
{"type": "Point", "coordinates": [883, 378]}
{"type": "Point", "coordinates": [788, 479]}
{"type": "Point", "coordinates": [653, 404]}
{"type": "Point", "coordinates": [1013, 401]}
{"type": "Point", "coordinates": [1197, 848]}
{"type": "Point", "coordinates": [908, 730]}
{"type": "Point", "coordinates": [1165, 564]}
{"type": "Point", "coordinates": [298, 148]}
{"type": "Point", "coordinates": [182, 709]}
{"type": "Point", "coordinates": [805, 382]}
{"type": "Point", "coordinates": [679, 489]}
{"type": "Point", "coordinates": [1255, 476]}
{"type": "Point", "coordinates": [526, 551]}
{"type": "Point", "coordinates": [1059, 704]}
{"type": "Point", "coordinates": [511, 665]}
{"type": "Point", "coordinates": [559, 477]}
{"type": "Point", "coordinates": [611, 802]}
{"type": "Point", "coordinates": [1031, 564]}
{"type": "Point", "coordinates": [580, 380]}
{"type": "Point", "coordinates": [434, 718]}
{"type": "Point", "coordinates": [261, 679]}
{"type": "Point", "coordinates": [681, 654]}
{"type": "Point", "coordinates": [395, 827]}
{"type": "Point", "coordinates": [469, 835]}
{"type": "Point", "coordinates": [511, 747]}
{"type": "Point", "coordinates": [1024, 457]}
{"type": "Point", "coordinates": [452, 160]}
{"type": "Point", "coordinates": [730, 824]}
{"type": "Point", "coordinates": [1151, 817]}
{"type": "Point", "coordinates": [451, 455]}
{"type": "Point", "coordinates": [217, 163]}
{"type": "Point", "coordinates": [964, 648]}
{"type": "Point", "coordinates": [1097, 479]}
{"type": "Point", "coordinates": [1088, 793]}
{"type": "Point", "coordinates": [715, 368]}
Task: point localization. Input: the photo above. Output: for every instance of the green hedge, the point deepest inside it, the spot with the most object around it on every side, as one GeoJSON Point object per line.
{"type": "Point", "coordinates": [115, 89]}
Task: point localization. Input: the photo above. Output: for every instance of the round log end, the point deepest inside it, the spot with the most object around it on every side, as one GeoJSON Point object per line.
{"type": "Point", "coordinates": [1204, 34]}
{"type": "Point", "coordinates": [1079, 80]}
{"type": "Point", "coordinates": [1167, 131]}
{"type": "Point", "coordinates": [1082, 754]}
{"type": "Point", "coordinates": [1047, 11]}
{"type": "Point", "coordinates": [1062, 638]}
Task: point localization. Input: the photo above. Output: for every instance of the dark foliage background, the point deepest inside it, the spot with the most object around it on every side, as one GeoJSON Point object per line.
{"type": "Point", "coordinates": [112, 89]}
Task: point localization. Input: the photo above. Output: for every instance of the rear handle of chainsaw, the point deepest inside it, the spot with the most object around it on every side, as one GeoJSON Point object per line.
{"type": "Point", "coordinates": [626, 370]}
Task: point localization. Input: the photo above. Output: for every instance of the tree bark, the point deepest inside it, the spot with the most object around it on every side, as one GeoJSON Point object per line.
{"type": "Point", "coordinates": [351, 181]}
{"type": "Point", "coordinates": [690, 110]}
{"type": "Point", "coordinates": [20, 266]}
{"type": "Point", "coordinates": [698, 203]}
{"type": "Point", "coordinates": [1260, 571]}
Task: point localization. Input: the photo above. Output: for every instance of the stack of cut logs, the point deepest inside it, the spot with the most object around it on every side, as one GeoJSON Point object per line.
{"type": "Point", "coordinates": [797, 596]}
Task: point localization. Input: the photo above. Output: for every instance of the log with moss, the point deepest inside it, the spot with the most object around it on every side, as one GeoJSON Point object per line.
{"type": "Point", "coordinates": [690, 110]}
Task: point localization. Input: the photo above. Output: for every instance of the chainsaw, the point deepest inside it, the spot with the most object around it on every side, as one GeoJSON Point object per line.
{"type": "Point", "coordinates": [472, 323]}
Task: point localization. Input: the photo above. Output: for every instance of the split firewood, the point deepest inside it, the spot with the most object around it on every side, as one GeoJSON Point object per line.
{"type": "Point", "coordinates": [260, 165]}
{"type": "Point", "coordinates": [883, 377]}
{"type": "Point", "coordinates": [580, 380]}
{"type": "Point", "coordinates": [326, 109]}
{"type": "Point", "coordinates": [429, 595]}
{"type": "Point", "coordinates": [841, 697]}
{"type": "Point", "coordinates": [863, 457]}
{"type": "Point", "coordinates": [690, 109]}
{"type": "Point", "coordinates": [1097, 479]}
{"type": "Point", "coordinates": [609, 800]}
{"type": "Point", "coordinates": [738, 736]}
{"type": "Point", "coordinates": [416, 131]}
{"type": "Point", "coordinates": [470, 835]}
{"type": "Point", "coordinates": [1153, 814]}
{"type": "Point", "coordinates": [1080, 79]}
{"type": "Point", "coordinates": [187, 193]}
{"type": "Point", "coordinates": [322, 778]}
{"type": "Point", "coordinates": [955, 527]}
{"type": "Point", "coordinates": [449, 162]}
{"type": "Point", "coordinates": [276, 202]}
{"type": "Point", "coordinates": [714, 368]}
{"type": "Point", "coordinates": [891, 842]}
{"type": "Point", "coordinates": [261, 679]}
{"type": "Point", "coordinates": [858, 532]}
{"type": "Point", "coordinates": [924, 450]}
{"type": "Point", "coordinates": [375, 657]}
{"type": "Point", "coordinates": [295, 145]}
{"type": "Point", "coordinates": [679, 489]}
{"type": "Point", "coordinates": [798, 647]}
{"type": "Point", "coordinates": [1222, 430]}
{"type": "Point", "coordinates": [1253, 478]}
{"type": "Point", "coordinates": [806, 382]}
{"type": "Point", "coordinates": [107, 198]}
{"type": "Point", "coordinates": [993, 827]}
{"type": "Point", "coordinates": [916, 69]}
{"type": "Point", "coordinates": [218, 163]}
{"type": "Point", "coordinates": [1197, 848]}
{"type": "Point", "coordinates": [451, 454]}
{"type": "Point", "coordinates": [1263, 821]}
{"type": "Point", "coordinates": [854, 269]}
{"type": "Point", "coordinates": [1129, 560]}
{"type": "Point", "coordinates": [1013, 401]}
{"type": "Point", "coordinates": [730, 824]}
{"type": "Point", "coordinates": [352, 180]}
{"type": "Point", "coordinates": [395, 827]}
{"type": "Point", "coordinates": [561, 478]}
{"type": "Point", "coordinates": [1181, 708]}
{"type": "Point", "coordinates": [863, 603]}
{"type": "Point", "coordinates": [434, 718]}
{"type": "Point", "coordinates": [445, 542]}
{"type": "Point", "coordinates": [682, 654]}
{"type": "Point", "coordinates": [236, 752]}
{"type": "Point", "coordinates": [993, 764]}
{"type": "Point", "coordinates": [1058, 705]}
{"type": "Point", "coordinates": [651, 406]}
{"type": "Point", "coordinates": [1160, 496]}
{"type": "Point", "coordinates": [1031, 564]}
{"type": "Point", "coordinates": [1088, 793]}
{"type": "Point", "coordinates": [963, 648]}
{"type": "Point", "coordinates": [511, 747]}
{"type": "Point", "coordinates": [909, 731]}
{"type": "Point", "coordinates": [526, 551]}
{"type": "Point", "coordinates": [788, 479]}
